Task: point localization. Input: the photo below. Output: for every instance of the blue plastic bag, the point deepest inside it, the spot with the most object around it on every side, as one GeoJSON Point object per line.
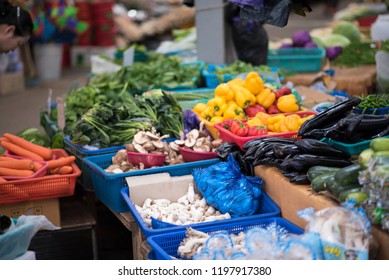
{"type": "Point", "coordinates": [225, 188]}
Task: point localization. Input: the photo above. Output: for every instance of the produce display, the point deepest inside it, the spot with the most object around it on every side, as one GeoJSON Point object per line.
{"type": "Point", "coordinates": [240, 99]}
{"type": "Point", "coordinates": [106, 125]}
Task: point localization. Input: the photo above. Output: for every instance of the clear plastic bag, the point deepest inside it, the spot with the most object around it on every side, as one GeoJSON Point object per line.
{"type": "Point", "coordinates": [16, 240]}
{"type": "Point", "coordinates": [225, 188]}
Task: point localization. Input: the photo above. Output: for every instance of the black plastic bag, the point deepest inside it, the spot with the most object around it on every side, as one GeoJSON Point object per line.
{"type": "Point", "coordinates": [250, 40]}
{"type": "Point", "coordinates": [275, 12]}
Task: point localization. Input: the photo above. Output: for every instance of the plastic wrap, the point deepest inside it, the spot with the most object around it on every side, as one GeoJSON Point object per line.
{"type": "Point", "coordinates": [225, 188]}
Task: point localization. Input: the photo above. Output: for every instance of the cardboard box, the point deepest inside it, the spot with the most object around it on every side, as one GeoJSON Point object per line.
{"type": "Point", "coordinates": [310, 97]}
{"type": "Point", "coordinates": [11, 83]}
{"type": "Point", "coordinates": [48, 207]}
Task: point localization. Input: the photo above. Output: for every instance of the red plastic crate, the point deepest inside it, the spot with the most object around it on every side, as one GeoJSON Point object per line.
{"type": "Point", "coordinates": [228, 136]}
{"type": "Point", "coordinates": [49, 186]}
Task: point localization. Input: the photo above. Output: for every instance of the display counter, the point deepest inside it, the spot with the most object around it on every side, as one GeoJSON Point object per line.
{"type": "Point", "coordinates": [292, 198]}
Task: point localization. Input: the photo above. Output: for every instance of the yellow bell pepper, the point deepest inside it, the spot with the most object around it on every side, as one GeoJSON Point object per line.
{"type": "Point", "coordinates": [262, 117]}
{"type": "Point", "coordinates": [208, 113]}
{"type": "Point", "coordinates": [266, 98]}
{"type": "Point", "coordinates": [253, 83]}
{"type": "Point", "coordinates": [199, 107]}
{"type": "Point", "coordinates": [217, 119]}
{"type": "Point", "coordinates": [292, 122]}
{"type": "Point", "coordinates": [283, 127]}
{"type": "Point", "coordinates": [288, 104]}
{"type": "Point", "coordinates": [218, 104]}
{"type": "Point", "coordinates": [224, 90]}
{"type": "Point", "coordinates": [302, 120]}
{"type": "Point", "coordinates": [236, 81]}
{"type": "Point", "coordinates": [274, 123]}
{"type": "Point", "coordinates": [243, 97]}
{"type": "Point", "coordinates": [234, 112]}
{"type": "Point", "coordinates": [254, 122]}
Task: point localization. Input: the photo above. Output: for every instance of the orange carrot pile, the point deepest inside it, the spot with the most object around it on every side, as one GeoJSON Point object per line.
{"type": "Point", "coordinates": [31, 153]}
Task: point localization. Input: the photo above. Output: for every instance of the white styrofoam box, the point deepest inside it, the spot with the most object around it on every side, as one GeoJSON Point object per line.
{"type": "Point", "coordinates": [29, 255]}
{"type": "Point", "coordinates": [101, 65]}
{"type": "Point", "coordinates": [80, 56]}
{"type": "Point", "coordinates": [156, 186]}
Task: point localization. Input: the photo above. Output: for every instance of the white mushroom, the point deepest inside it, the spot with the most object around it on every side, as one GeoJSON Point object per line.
{"type": "Point", "coordinates": [152, 136]}
{"type": "Point", "coordinates": [140, 149]}
{"type": "Point", "coordinates": [190, 142]}
{"type": "Point", "coordinates": [140, 138]}
{"type": "Point", "coordinates": [179, 142]}
{"type": "Point", "coordinates": [174, 146]}
{"type": "Point", "coordinates": [158, 145]}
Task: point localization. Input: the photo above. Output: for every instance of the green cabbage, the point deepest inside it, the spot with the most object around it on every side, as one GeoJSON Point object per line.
{"type": "Point", "coordinates": [348, 30]}
{"type": "Point", "coordinates": [334, 40]}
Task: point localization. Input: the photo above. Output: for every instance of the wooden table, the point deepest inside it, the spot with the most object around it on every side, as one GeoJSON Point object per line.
{"type": "Point", "coordinates": [292, 198]}
{"type": "Point", "coordinates": [355, 81]}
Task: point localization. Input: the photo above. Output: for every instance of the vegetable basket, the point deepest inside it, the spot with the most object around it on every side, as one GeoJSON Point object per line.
{"type": "Point", "coordinates": [212, 81]}
{"type": "Point", "coordinates": [189, 155]}
{"type": "Point", "coordinates": [41, 172]}
{"type": "Point", "coordinates": [296, 59]}
{"type": "Point", "coordinates": [228, 136]}
{"type": "Point", "coordinates": [165, 245]}
{"type": "Point", "coordinates": [149, 160]}
{"type": "Point", "coordinates": [108, 186]}
{"type": "Point", "coordinates": [350, 148]}
{"type": "Point", "coordinates": [267, 208]}
{"type": "Point", "coordinates": [49, 186]}
{"type": "Point", "coordinates": [80, 152]}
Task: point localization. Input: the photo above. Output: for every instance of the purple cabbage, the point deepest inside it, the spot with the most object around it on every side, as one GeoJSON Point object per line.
{"type": "Point", "coordinates": [333, 52]}
{"type": "Point", "coordinates": [310, 45]}
{"type": "Point", "coordinates": [191, 120]}
{"type": "Point", "coordinates": [300, 38]}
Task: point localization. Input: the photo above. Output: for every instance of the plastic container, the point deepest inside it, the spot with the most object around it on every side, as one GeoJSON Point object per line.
{"type": "Point", "coordinates": [108, 186]}
{"type": "Point", "coordinates": [212, 81]}
{"type": "Point", "coordinates": [228, 136]}
{"type": "Point", "coordinates": [48, 58]}
{"type": "Point", "coordinates": [296, 59]}
{"type": "Point", "coordinates": [49, 186]}
{"type": "Point", "coordinates": [373, 111]}
{"type": "Point", "coordinates": [379, 29]}
{"type": "Point", "coordinates": [80, 153]}
{"type": "Point", "coordinates": [351, 149]}
{"type": "Point", "coordinates": [267, 208]}
{"type": "Point", "coordinates": [165, 245]}
{"type": "Point", "coordinates": [382, 64]}
{"type": "Point", "coordinates": [149, 160]}
{"type": "Point", "coordinates": [190, 155]}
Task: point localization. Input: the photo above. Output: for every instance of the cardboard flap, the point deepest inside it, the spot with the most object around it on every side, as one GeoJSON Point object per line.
{"type": "Point", "coordinates": [157, 186]}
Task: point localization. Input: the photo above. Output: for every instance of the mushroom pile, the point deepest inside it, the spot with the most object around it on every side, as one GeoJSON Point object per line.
{"type": "Point", "coordinates": [146, 142]}
{"type": "Point", "coordinates": [198, 141]}
{"type": "Point", "coordinates": [120, 164]}
{"type": "Point", "coordinates": [189, 209]}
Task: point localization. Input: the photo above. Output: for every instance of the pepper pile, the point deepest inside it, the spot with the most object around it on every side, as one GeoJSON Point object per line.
{"type": "Point", "coordinates": [241, 99]}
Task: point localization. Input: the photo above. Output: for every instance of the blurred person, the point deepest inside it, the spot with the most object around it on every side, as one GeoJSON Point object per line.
{"type": "Point", "coordinates": [16, 26]}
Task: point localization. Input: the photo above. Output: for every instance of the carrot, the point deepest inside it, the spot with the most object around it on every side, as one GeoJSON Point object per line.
{"type": "Point", "coordinates": [37, 166]}
{"type": "Point", "coordinates": [5, 158]}
{"type": "Point", "coordinates": [21, 164]}
{"type": "Point", "coordinates": [17, 150]}
{"type": "Point", "coordinates": [54, 163]}
{"type": "Point", "coordinates": [44, 152]}
{"type": "Point", "coordinates": [2, 180]}
{"type": "Point", "coordinates": [15, 173]}
{"type": "Point", "coordinates": [63, 170]}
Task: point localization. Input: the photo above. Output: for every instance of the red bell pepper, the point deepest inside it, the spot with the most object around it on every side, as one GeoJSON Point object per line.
{"type": "Point", "coordinates": [239, 128]}
{"type": "Point", "coordinates": [226, 123]}
{"type": "Point", "coordinates": [273, 109]}
{"type": "Point", "coordinates": [283, 91]}
{"type": "Point", "coordinates": [252, 110]}
{"type": "Point", "coordinates": [257, 131]}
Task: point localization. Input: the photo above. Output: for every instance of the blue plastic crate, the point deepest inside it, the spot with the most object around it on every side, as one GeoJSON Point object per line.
{"type": "Point", "coordinates": [80, 153]}
{"type": "Point", "coordinates": [108, 186]}
{"type": "Point", "coordinates": [212, 81]}
{"type": "Point", "coordinates": [267, 208]}
{"type": "Point", "coordinates": [50, 127]}
{"type": "Point", "coordinates": [164, 246]}
{"type": "Point", "coordinates": [296, 59]}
